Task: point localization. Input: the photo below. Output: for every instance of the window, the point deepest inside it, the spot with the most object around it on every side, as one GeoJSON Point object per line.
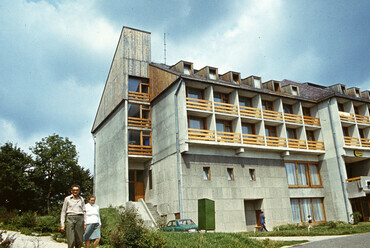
{"type": "Point", "coordinates": [221, 97]}
{"type": "Point", "coordinates": [257, 83]}
{"type": "Point", "coordinates": [138, 85]}
{"type": "Point", "coordinates": [235, 78]}
{"type": "Point", "coordinates": [150, 179]}
{"type": "Point", "coordinates": [303, 174]}
{"type": "Point", "coordinates": [277, 87]}
{"type": "Point", "coordinates": [361, 132]}
{"type": "Point", "coordinates": [357, 92]}
{"type": "Point", "coordinates": [357, 111]}
{"type": "Point", "coordinates": [306, 111]}
{"type": "Point", "coordinates": [248, 128]}
{"type": "Point", "coordinates": [177, 217]}
{"type": "Point", "coordinates": [288, 109]}
{"type": "Point", "coordinates": [245, 102]}
{"type": "Point", "coordinates": [224, 126]}
{"type": "Point", "coordinates": [310, 135]}
{"type": "Point", "coordinates": [212, 74]}
{"type": "Point", "coordinates": [139, 138]}
{"type": "Point", "coordinates": [267, 105]}
{"type": "Point", "coordinates": [252, 175]}
{"type": "Point", "coordinates": [345, 131]}
{"type": "Point", "coordinates": [138, 111]}
{"type": "Point", "coordinates": [291, 133]}
{"type": "Point", "coordinates": [344, 91]}
{"type": "Point", "coordinates": [196, 122]}
{"type": "Point", "coordinates": [206, 173]}
{"type": "Point", "coordinates": [230, 174]}
{"type": "Point", "coordinates": [194, 93]}
{"type": "Point", "coordinates": [294, 91]}
{"type": "Point", "coordinates": [340, 107]}
{"type": "Point", "coordinates": [187, 69]}
{"type": "Point", "coordinates": [302, 208]}
{"type": "Point", "coordinates": [270, 131]}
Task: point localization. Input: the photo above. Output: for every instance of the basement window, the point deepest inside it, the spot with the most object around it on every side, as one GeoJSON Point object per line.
{"type": "Point", "coordinates": [206, 173]}
{"type": "Point", "coordinates": [230, 174]}
{"type": "Point", "coordinates": [252, 175]}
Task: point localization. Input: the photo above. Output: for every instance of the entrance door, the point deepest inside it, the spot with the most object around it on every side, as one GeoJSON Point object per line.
{"type": "Point", "coordinates": [136, 185]}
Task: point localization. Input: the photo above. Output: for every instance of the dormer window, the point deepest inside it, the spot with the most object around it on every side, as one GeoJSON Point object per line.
{"type": "Point", "coordinates": [357, 92]}
{"type": "Point", "coordinates": [257, 83]}
{"type": "Point", "coordinates": [235, 78]}
{"type": "Point", "coordinates": [212, 74]}
{"type": "Point", "coordinates": [344, 91]}
{"type": "Point", "coordinates": [187, 69]}
{"type": "Point", "coordinates": [277, 87]}
{"type": "Point", "coordinates": [294, 91]}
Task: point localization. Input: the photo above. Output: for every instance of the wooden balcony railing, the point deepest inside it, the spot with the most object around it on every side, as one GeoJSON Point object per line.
{"type": "Point", "coordinates": [226, 108]}
{"type": "Point", "coordinates": [200, 134]}
{"type": "Point", "coordinates": [272, 115]}
{"type": "Point", "coordinates": [253, 139]}
{"type": "Point", "coordinates": [363, 119]}
{"type": "Point", "coordinates": [250, 112]}
{"type": "Point", "coordinates": [275, 141]}
{"type": "Point", "coordinates": [308, 120]}
{"type": "Point", "coordinates": [139, 150]}
{"type": "Point", "coordinates": [353, 179]}
{"type": "Point", "coordinates": [200, 104]}
{"type": "Point", "coordinates": [293, 118]}
{"type": "Point", "coordinates": [297, 144]}
{"type": "Point", "coordinates": [315, 145]}
{"type": "Point", "coordinates": [138, 122]}
{"type": "Point", "coordinates": [228, 137]}
{"type": "Point", "coordinates": [351, 141]}
{"type": "Point", "coordinates": [344, 116]}
{"type": "Point", "coordinates": [365, 142]}
{"type": "Point", "coordinates": [137, 96]}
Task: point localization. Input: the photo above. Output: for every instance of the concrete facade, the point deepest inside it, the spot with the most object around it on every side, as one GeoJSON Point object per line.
{"type": "Point", "coordinates": [177, 135]}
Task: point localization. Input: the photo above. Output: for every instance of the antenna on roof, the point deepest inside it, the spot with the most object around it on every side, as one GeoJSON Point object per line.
{"type": "Point", "coordinates": [164, 48]}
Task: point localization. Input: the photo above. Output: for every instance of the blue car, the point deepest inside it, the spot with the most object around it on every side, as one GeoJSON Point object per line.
{"type": "Point", "coordinates": [181, 225]}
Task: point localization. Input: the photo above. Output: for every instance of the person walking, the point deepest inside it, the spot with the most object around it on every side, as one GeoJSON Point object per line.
{"type": "Point", "coordinates": [263, 222]}
{"type": "Point", "coordinates": [309, 220]}
{"type": "Point", "coordinates": [93, 223]}
{"type": "Point", "coordinates": [74, 209]}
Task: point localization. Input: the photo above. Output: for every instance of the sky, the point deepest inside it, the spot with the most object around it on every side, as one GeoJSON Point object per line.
{"type": "Point", "coordinates": [55, 55]}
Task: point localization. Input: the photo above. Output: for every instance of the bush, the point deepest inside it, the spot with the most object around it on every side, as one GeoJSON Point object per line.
{"type": "Point", "coordinates": [152, 239]}
{"type": "Point", "coordinates": [28, 219]}
{"type": "Point", "coordinates": [161, 222]}
{"type": "Point", "coordinates": [357, 216]}
{"type": "Point", "coordinates": [47, 224]}
{"type": "Point", "coordinates": [109, 219]}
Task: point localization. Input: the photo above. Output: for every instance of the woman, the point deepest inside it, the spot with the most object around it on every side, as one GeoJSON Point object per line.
{"type": "Point", "coordinates": [93, 223]}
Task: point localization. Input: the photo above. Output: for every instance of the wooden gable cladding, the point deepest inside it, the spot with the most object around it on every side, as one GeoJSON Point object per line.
{"type": "Point", "coordinates": [131, 58]}
{"type": "Point", "coordinates": [159, 80]}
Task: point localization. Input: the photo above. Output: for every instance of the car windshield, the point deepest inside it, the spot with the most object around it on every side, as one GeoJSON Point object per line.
{"type": "Point", "coordinates": [186, 222]}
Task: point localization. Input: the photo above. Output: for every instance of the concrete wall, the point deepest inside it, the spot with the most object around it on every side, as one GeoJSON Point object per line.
{"type": "Point", "coordinates": [111, 186]}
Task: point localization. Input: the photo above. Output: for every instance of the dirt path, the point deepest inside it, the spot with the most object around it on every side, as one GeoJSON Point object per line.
{"type": "Point", "coordinates": [24, 241]}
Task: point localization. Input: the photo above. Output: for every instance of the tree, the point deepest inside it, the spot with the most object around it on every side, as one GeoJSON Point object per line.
{"type": "Point", "coordinates": [56, 169]}
{"type": "Point", "coordinates": [17, 191]}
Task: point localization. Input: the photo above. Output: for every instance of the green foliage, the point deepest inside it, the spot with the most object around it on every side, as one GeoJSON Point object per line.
{"type": "Point", "coordinates": [161, 222]}
{"type": "Point", "coordinates": [152, 239]}
{"type": "Point", "coordinates": [47, 224]}
{"type": "Point", "coordinates": [109, 218]}
{"type": "Point", "coordinates": [357, 216]}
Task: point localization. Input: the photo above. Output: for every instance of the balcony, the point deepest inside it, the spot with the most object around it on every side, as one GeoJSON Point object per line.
{"type": "Point", "coordinates": [351, 141]}
{"type": "Point", "coordinates": [253, 139]}
{"type": "Point", "coordinates": [365, 142]}
{"type": "Point", "coordinates": [358, 186]}
{"type": "Point", "coordinates": [314, 121]}
{"type": "Point", "coordinates": [344, 116]}
{"type": "Point", "coordinates": [200, 134]}
{"type": "Point", "coordinates": [228, 137]}
{"type": "Point", "coordinates": [250, 112]}
{"type": "Point", "coordinates": [363, 119]}
{"type": "Point", "coordinates": [272, 115]}
{"type": "Point", "coordinates": [297, 144]}
{"type": "Point", "coordinates": [198, 104]}
{"type": "Point", "coordinates": [139, 150]}
{"type": "Point", "coordinates": [293, 118]}
{"type": "Point", "coordinates": [226, 108]}
{"type": "Point", "coordinates": [137, 96]}
{"type": "Point", "coordinates": [275, 141]}
{"type": "Point", "coordinates": [315, 145]}
{"type": "Point", "coordinates": [138, 122]}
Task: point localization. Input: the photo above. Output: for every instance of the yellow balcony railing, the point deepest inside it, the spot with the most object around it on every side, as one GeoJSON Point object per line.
{"type": "Point", "coordinates": [272, 115]}
{"type": "Point", "coordinates": [351, 141]}
{"type": "Point", "coordinates": [226, 108]}
{"type": "Point", "coordinates": [139, 122]}
{"type": "Point", "coordinates": [309, 120]}
{"type": "Point", "coordinates": [228, 137]}
{"type": "Point", "coordinates": [297, 144]}
{"type": "Point", "coordinates": [293, 118]}
{"type": "Point", "coordinates": [137, 96]}
{"type": "Point", "coordinates": [199, 104]}
{"type": "Point", "coordinates": [250, 112]}
{"type": "Point", "coordinates": [200, 134]}
{"type": "Point", "coordinates": [363, 119]}
{"type": "Point", "coordinates": [253, 139]}
{"type": "Point", "coordinates": [352, 179]}
{"type": "Point", "coordinates": [139, 150]}
{"type": "Point", "coordinates": [344, 116]}
{"type": "Point", "coordinates": [315, 145]}
{"type": "Point", "coordinates": [365, 142]}
{"type": "Point", "coordinates": [275, 141]}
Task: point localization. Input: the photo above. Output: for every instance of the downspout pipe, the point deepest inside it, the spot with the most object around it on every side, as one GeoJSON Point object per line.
{"type": "Point", "coordinates": [94, 179]}
{"type": "Point", "coordinates": [340, 163]}
{"type": "Point", "coordinates": [178, 146]}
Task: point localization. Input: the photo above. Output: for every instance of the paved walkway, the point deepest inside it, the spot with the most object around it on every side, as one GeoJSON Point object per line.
{"type": "Point", "coordinates": [23, 241]}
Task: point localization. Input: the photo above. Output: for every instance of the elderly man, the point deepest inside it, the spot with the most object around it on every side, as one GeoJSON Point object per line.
{"type": "Point", "coordinates": [74, 209]}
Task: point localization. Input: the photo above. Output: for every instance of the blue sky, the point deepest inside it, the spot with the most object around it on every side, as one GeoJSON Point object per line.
{"type": "Point", "coordinates": [55, 55]}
